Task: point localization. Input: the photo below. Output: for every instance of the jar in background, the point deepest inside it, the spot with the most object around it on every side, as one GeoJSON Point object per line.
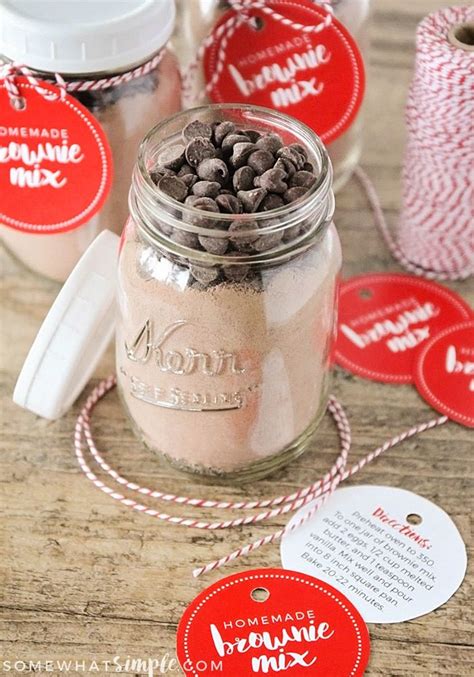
{"type": "Point", "coordinates": [223, 361]}
{"type": "Point", "coordinates": [345, 151]}
{"type": "Point", "coordinates": [196, 19]}
{"type": "Point", "coordinates": [92, 41]}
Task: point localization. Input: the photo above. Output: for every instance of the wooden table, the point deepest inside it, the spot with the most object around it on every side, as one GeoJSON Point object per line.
{"type": "Point", "coordinates": [86, 579]}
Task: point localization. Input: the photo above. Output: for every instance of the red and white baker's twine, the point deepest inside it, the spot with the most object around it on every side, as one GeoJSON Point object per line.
{"type": "Point", "coordinates": [435, 235]}
{"type": "Point", "coordinates": [321, 489]}
{"type": "Point", "coordinates": [225, 31]}
{"type": "Point", "coordinates": [9, 72]}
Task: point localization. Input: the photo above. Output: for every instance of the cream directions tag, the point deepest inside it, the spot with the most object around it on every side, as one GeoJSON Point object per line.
{"type": "Point", "coordinates": [394, 554]}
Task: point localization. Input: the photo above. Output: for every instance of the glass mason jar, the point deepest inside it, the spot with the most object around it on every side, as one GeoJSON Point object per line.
{"type": "Point", "coordinates": [223, 361]}
{"type": "Point", "coordinates": [113, 41]}
{"type": "Point", "coordinates": [196, 19]}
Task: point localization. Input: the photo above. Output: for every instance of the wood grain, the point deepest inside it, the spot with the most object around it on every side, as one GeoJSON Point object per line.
{"type": "Point", "coordinates": [85, 579]}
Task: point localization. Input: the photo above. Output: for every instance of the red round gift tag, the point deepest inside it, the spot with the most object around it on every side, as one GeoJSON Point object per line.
{"type": "Point", "coordinates": [384, 318]}
{"type": "Point", "coordinates": [444, 373]}
{"type": "Point", "coordinates": [269, 621]}
{"type": "Point", "coordinates": [55, 161]}
{"type": "Point", "coordinates": [275, 59]}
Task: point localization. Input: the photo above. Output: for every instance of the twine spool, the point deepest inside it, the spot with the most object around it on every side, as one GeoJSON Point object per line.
{"type": "Point", "coordinates": [435, 230]}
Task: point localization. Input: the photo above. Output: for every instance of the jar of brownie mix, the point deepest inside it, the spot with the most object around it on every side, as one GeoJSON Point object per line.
{"type": "Point", "coordinates": [113, 58]}
{"type": "Point", "coordinates": [228, 276]}
{"type": "Point", "coordinates": [196, 19]}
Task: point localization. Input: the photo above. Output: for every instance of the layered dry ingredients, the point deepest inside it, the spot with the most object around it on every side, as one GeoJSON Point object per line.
{"type": "Point", "coordinates": [223, 365]}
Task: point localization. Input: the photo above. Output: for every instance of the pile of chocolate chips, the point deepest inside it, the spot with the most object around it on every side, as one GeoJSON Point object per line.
{"type": "Point", "coordinates": [220, 168]}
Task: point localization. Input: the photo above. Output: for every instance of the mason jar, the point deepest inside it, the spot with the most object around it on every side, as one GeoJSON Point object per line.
{"type": "Point", "coordinates": [224, 360]}
{"type": "Point", "coordinates": [124, 44]}
{"type": "Point", "coordinates": [197, 18]}
{"type": "Point", "coordinates": [346, 150]}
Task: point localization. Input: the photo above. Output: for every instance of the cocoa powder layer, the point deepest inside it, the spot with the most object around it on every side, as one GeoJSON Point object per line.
{"type": "Point", "coordinates": [257, 352]}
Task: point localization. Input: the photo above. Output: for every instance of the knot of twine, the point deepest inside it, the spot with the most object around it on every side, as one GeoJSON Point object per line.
{"type": "Point", "coordinates": [223, 33]}
{"type": "Point", "coordinates": [320, 490]}
{"type": "Point", "coordinates": [9, 73]}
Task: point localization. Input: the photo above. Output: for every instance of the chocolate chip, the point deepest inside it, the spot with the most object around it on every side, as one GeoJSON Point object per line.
{"type": "Point", "coordinates": [251, 199]}
{"type": "Point", "coordinates": [222, 130]}
{"type": "Point", "coordinates": [185, 169]}
{"type": "Point", "coordinates": [190, 200]}
{"type": "Point", "coordinates": [213, 169]}
{"type": "Point", "coordinates": [240, 153]}
{"type": "Point", "coordinates": [268, 240]}
{"type": "Point", "coordinates": [204, 274]}
{"type": "Point", "coordinates": [172, 157]}
{"type": "Point", "coordinates": [206, 188]}
{"type": "Point", "coordinates": [243, 178]}
{"type": "Point", "coordinates": [291, 233]}
{"type": "Point", "coordinates": [173, 187]}
{"type": "Point", "coordinates": [205, 203]}
{"type": "Point", "coordinates": [195, 129]}
{"type": "Point", "coordinates": [303, 178]}
{"type": "Point", "coordinates": [295, 193]}
{"type": "Point", "coordinates": [229, 204]}
{"type": "Point", "coordinates": [230, 141]}
{"type": "Point", "coordinates": [308, 167]}
{"type": "Point", "coordinates": [293, 155]}
{"type": "Point", "coordinates": [271, 201]}
{"type": "Point", "coordinates": [214, 245]}
{"type": "Point", "coordinates": [253, 135]}
{"type": "Point", "coordinates": [299, 149]}
{"type": "Point", "coordinates": [270, 142]}
{"type": "Point", "coordinates": [243, 234]}
{"type": "Point", "coordinates": [208, 206]}
{"type": "Point", "coordinates": [272, 180]}
{"type": "Point", "coordinates": [185, 239]}
{"type": "Point", "coordinates": [286, 166]}
{"type": "Point", "coordinates": [189, 180]}
{"type": "Point", "coordinates": [158, 172]}
{"type": "Point", "coordinates": [199, 149]}
{"type": "Point", "coordinates": [236, 272]}
{"type": "Point", "coordinates": [261, 160]}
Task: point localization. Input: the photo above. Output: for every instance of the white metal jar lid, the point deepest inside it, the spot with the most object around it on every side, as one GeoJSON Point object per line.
{"type": "Point", "coordinates": [80, 36]}
{"type": "Point", "coordinates": [74, 335]}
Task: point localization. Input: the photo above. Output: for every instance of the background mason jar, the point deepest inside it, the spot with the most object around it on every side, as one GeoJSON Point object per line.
{"type": "Point", "coordinates": [125, 111]}
{"type": "Point", "coordinates": [223, 361]}
{"type": "Point", "coordinates": [195, 20]}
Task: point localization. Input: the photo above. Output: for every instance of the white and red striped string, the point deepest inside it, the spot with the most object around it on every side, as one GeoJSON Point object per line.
{"type": "Point", "coordinates": [319, 490]}
{"type": "Point", "coordinates": [9, 72]}
{"type": "Point", "coordinates": [435, 232]}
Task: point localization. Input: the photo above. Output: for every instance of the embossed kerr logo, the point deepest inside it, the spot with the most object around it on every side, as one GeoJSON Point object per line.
{"type": "Point", "coordinates": [147, 345]}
